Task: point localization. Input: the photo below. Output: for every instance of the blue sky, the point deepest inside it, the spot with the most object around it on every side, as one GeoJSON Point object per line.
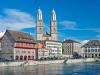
{"type": "Point", "coordinates": [77, 19]}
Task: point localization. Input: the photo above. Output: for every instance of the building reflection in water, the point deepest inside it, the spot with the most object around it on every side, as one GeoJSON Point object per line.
{"type": "Point", "coordinates": [49, 69]}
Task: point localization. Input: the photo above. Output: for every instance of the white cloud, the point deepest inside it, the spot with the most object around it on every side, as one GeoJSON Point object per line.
{"type": "Point", "coordinates": [84, 41]}
{"type": "Point", "coordinates": [98, 30]}
{"type": "Point", "coordinates": [68, 24]}
{"type": "Point", "coordinates": [98, 37]}
{"type": "Point", "coordinates": [72, 25]}
{"type": "Point", "coordinates": [1, 34]}
{"type": "Point", "coordinates": [16, 20]}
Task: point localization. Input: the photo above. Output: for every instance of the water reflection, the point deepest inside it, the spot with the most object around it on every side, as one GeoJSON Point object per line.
{"type": "Point", "coordinates": [53, 69]}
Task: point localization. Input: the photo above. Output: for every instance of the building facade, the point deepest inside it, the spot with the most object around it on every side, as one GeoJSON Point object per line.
{"type": "Point", "coordinates": [18, 46]}
{"type": "Point", "coordinates": [50, 49]}
{"type": "Point", "coordinates": [91, 49]}
{"type": "Point", "coordinates": [71, 46]}
{"type": "Point", "coordinates": [40, 35]}
{"type": "Point", "coordinates": [54, 47]}
{"type": "Point", "coordinates": [42, 51]}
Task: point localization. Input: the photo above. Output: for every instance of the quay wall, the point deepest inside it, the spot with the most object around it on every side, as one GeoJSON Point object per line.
{"type": "Point", "coordinates": [28, 63]}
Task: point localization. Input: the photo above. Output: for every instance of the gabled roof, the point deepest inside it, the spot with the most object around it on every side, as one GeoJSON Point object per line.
{"type": "Point", "coordinates": [21, 36]}
{"type": "Point", "coordinates": [92, 43]}
{"type": "Point", "coordinates": [71, 41]}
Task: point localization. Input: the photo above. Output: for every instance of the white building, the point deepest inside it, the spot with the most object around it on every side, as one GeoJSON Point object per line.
{"type": "Point", "coordinates": [54, 47]}
{"type": "Point", "coordinates": [49, 49]}
{"type": "Point", "coordinates": [91, 49]}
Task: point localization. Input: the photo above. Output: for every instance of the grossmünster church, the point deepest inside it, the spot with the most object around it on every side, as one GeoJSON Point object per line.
{"type": "Point", "coordinates": [40, 34]}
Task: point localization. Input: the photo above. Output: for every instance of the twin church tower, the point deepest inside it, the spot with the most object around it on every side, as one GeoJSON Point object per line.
{"type": "Point", "coordinates": [40, 35]}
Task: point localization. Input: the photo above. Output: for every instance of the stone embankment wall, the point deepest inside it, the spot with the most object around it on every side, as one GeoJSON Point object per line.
{"type": "Point", "coordinates": [28, 63]}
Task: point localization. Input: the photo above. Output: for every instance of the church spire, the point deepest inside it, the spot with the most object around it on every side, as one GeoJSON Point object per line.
{"type": "Point", "coordinates": [39, 25]}
{"type": "Point", "coordinates": [53, 27]}
{"type": "Point", "coordinates": [53, 17]}
{"type": "Point", "coordinates": [39, 17]}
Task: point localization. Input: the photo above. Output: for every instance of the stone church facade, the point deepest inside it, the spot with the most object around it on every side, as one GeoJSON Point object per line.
{"type": "Point", "coordinates": [40, 35]}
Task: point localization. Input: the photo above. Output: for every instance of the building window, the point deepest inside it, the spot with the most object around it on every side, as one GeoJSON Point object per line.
{"type": "Point", "coordinates": [33, 51]}
{"type": "Point", "coordinates": [95, 50]}
{"type": "Point", "coordinates": [11, 57]}
{"type": "Point", "coordinates": [33, 57]}
{"type": "Point", "coordinates": [24, 44]}
{"type": "Point", "coordinates": [28, 51]}
{"type": "Point", "coordinates": [29, 57]}
{"type": "Point", "coordinates": [98, 50]}
{"type": "Point", "coordinates": [23, 51]}
{"type": "Point", "coordinates": [20, 44]}
{"type": "Point", "coordinates": [25, 57]}
{"type": "Point", "coordinates": [88, 50]}
{"type": "Point", "coordinates": [17, 57]}
{"type": "Point", "coordinates": [92, 50]}
{"type": "Point", "coordinates": [17, 51]}
{"type": "Point", "coordinates": [31, 44]}
{"type": "Point", "coordinates": [21, 57]}
{"type": "Point", "coordinates": [27, 44]}
{"type": "Point", "coordinates": [85, 50]}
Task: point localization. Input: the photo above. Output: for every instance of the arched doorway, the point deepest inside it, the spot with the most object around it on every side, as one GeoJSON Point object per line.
{"type": "Point", "coordinates": [17, 57]}
{"type": "Point", "coordinates": [29, 57]}
{"type": "Point", "coordinates": [25, 57]}
{"type": "Point", "coordinates": [21, 57]}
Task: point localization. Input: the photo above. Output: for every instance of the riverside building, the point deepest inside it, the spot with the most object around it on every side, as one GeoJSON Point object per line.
{"type": "Point", "coordinates": [42, 51]}
{"type": "Point", "coordinates": [50, 49]}
{"type": "Point", "coordinates": [18, 46]}
{"type": "Point", "coordinates": [71, 46]}
{"type": "Point", "coordinates": [54, 47]}
{"type": "Point", "coordinates": [91, 49]}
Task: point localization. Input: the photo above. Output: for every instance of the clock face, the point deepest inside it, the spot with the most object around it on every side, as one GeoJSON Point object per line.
{"type": "Point", "coordinates": [39, 23]}
{"type": "Point", "coordinates": [53, 24]}
{"type": "Point", "coordinates": [40, 30]}
{"type": "Point", "coordinates": [54, 30]}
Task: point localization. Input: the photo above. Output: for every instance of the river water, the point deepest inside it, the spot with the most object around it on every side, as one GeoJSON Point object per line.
{"type": "Point", "coordinates": [54, 69]}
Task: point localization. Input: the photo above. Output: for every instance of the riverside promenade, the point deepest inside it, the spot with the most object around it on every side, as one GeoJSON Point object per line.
{"type": "Point", "coordinates": [30, 63]}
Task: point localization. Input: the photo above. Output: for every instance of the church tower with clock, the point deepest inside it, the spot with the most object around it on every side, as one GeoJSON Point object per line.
{"type": "Point", "coordinates": [53, 28]}
{"type": "Point", "coordinates": [40, 35]}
